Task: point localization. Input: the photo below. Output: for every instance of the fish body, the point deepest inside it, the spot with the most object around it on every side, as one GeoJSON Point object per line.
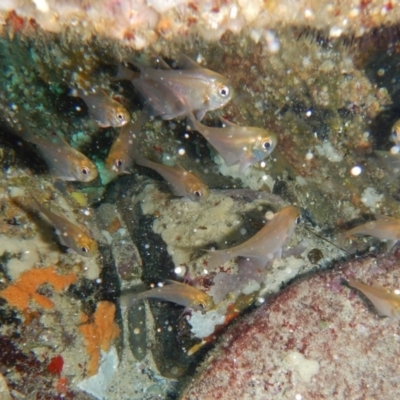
{"type": "Point", "coordinates": [103, 109]}
{"type": "Point", "coordinates": [70, 235]}
{"type": "Point", "coordinates": [395, 133]}
{"type": "Point", "coordinates": [174, 292]}
{"type": "Point", "coordinates": [241, 145]}
{"type": "Point", "coordinates": [266, 244]}
{"type": "Point", "coordinates": [192, 88]}
{"type": "Point", "coordinates": [64, 162]}
{"type": "Point", "coordinates": [122, 153]}
{"type": "Point", "coordinates": [383, 228]}
{"type": "Point", "coordinates": [386, 303]}
{"type": "Point", "coordinates": [181, 182]}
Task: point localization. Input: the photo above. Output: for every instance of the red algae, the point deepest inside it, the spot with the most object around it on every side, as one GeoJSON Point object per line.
{"type": "Point", "coordinates": [310, 341]}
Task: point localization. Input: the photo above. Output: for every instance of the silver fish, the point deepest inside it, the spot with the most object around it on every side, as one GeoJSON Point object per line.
{"type": "Point", "coordinates": [383, 228]}
{"type": "Point", "coordinates": [64, 162]}
{"type": "Point", "coordinates": [174, 292]}
{"type": "Point", "coordinates": [266, 244]}
{"type": "Point", "coordinates": [122, 153]}
{"type": "Point", "coordinates": [181, 182]}
{"type": "Point", "coordinates": [395, 133]}
{"type": "Point", "coordinates": [241, 145]}
{"type": "Point", "coordinates": [386, 303]}
{"type": "Point", "coordinates": [192, 88]}
{"type": "Point", "coordinates": [70, 235]}
{"type": "Point", "coordinates": [103, 109]}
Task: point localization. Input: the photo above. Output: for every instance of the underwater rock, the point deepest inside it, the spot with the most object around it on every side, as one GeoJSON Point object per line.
{"type": "Point", "coordinates": [318, 338]}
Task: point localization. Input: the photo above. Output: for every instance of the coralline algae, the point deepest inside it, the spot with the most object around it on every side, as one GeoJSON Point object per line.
{"type": "Point", "coordinates": [317, 339]}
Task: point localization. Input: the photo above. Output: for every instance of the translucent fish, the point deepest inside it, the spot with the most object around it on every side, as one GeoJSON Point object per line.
{"type": "Point", "coordinates": [103, 109]}
{"type": "Point", "coordinates": [174, 292]}
{"type": "Point", "coordinates": [386, 303]}
{"type": "Point", "coordinates": [181, 182]}
{"type": "Point", "coordinates": [383, 228]}
{"type": "Point", "coordinates": [395, 133]}
{"type": "Point", "coordinates": [64, 162]}
{"type": "Point", "coordinates": [122, 153]}
{"type": "Point", "coordinates": [170, 93]}
{"type": "Point", "coordinates": [241, 145]}
{"type": "Point", "coordinates": [266, 244]}
{"type": "Point", "coordinates": [70, 235]}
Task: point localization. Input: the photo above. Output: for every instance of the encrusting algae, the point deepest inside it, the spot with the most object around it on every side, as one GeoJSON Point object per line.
{"type": "Point", "coordinates": [23, 290]}
{"type": "Point", "coordinates": [99, 331]}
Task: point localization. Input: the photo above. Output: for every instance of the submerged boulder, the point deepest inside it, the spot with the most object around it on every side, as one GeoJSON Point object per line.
{"type": "Point", "coordinates": [317, 339]}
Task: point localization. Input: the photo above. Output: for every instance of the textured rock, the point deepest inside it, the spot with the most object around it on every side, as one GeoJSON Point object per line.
{"type": "Point", "coordinates": [317, 339]}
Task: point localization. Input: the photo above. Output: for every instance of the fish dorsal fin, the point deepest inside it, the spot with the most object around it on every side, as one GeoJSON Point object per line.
{"type": "Point", "coordinates": [172, 282]}
{"type": "Point", "coordinates": [227, 123]}
{"type": "Point", "coordinates": [184, 62]}
{"type": "Point", "coordinates": [387, 218]}
{"type": "Point", "coordinates": [161, 64]}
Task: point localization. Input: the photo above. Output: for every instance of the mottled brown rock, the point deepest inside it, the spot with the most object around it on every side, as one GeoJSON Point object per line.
{"type": "Point", "coordinates": [317, 339]}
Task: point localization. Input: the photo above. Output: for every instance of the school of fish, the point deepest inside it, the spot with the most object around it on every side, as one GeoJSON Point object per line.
{"type": "Point", "coordinates": [188, 92]}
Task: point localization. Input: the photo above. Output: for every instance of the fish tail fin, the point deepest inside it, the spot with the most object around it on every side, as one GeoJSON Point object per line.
{"type": "Point", "coordinates": [217, 258]}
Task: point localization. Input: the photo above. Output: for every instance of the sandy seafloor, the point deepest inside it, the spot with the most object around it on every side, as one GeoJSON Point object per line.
{"type": "Point", "coordinates": [331, 103]}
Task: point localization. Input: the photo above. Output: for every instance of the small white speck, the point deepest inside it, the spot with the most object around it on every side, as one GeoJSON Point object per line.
{"type": "Point", "coordinates": [186, 136]}
{"type": "Point", "coordinates": [77, 108]}
{"type": "Point", "coordinates": [181, 152]}
{"type": "Point", "coordinates": [205, 271]}
{"type": "Point", "coordinates": [269, 215]}
{"type": "Point", "coordinates": [308, 14]}
{"type": "Point", "coordinates": [264, 177]}
{"type": "Point", "coordinates": [308, 113]}
{"type": "Point", "coordinates": [86, 212]}
{"type": "Point", "coordinates": [160, 284]}
{"type": "Point", "coordinates": [243, 231]}
{"type": "Point", "coordinates": [298, 396]}
{"type": "Point", "coordinates": [179, 271]}
{"type": "Point", "coordinates": [394, 150]}
{"type": "Point", "coordinates": [146, 246]}
{"type": "Point", "coordinates": [98, 280]}
{"type": "Point", "coordinates": [263, 164]}
{"type": "Point", "coordinates": [335, 31]}
{"type": "Point", "coordinates": [309, 156]}
{"type": "Point", "coordinates": [234, 12]}
{"type": "Point", "coordinates": [261, 300]}
{"type": "Point", "coordinates": [380, 72]}
{"type": "Point", "coordinates": [396, 291]}
{"type": "Point", "coordinates": [355, 171]}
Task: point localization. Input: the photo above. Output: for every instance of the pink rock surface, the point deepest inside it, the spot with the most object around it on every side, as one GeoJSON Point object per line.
{"type": "Point", "coordinates": [317, 339]}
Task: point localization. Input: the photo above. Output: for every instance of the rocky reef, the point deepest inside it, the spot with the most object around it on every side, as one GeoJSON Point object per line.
{"type": "Point", "coordinates": [320, 78]}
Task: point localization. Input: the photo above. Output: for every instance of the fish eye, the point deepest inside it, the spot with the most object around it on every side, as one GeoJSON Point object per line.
{"type": "Point", "coordinates": [197, 193]}
{"type": "Point", "coordinates": [120, 116]}
{"type": "Point", "coordinates": [84, 249]}
{"type": "Point", "coordinates": [202, 305]}
{"type": "Point", "coordinates": [267, 144]}
{"type": "Point", "coordinates": [118, 163]}
{"type": "Point", "coordinates": [298, 220]}
{"type": "Point", "coordinates": [85, 171]}
{"type": "Point", "coordinates": [223, 91]}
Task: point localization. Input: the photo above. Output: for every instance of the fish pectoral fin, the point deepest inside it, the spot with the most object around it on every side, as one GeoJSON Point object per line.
{"type": "Point", "coordinates": [244, 164]}
{"type": "Point", "coordinates": [200, 115]}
